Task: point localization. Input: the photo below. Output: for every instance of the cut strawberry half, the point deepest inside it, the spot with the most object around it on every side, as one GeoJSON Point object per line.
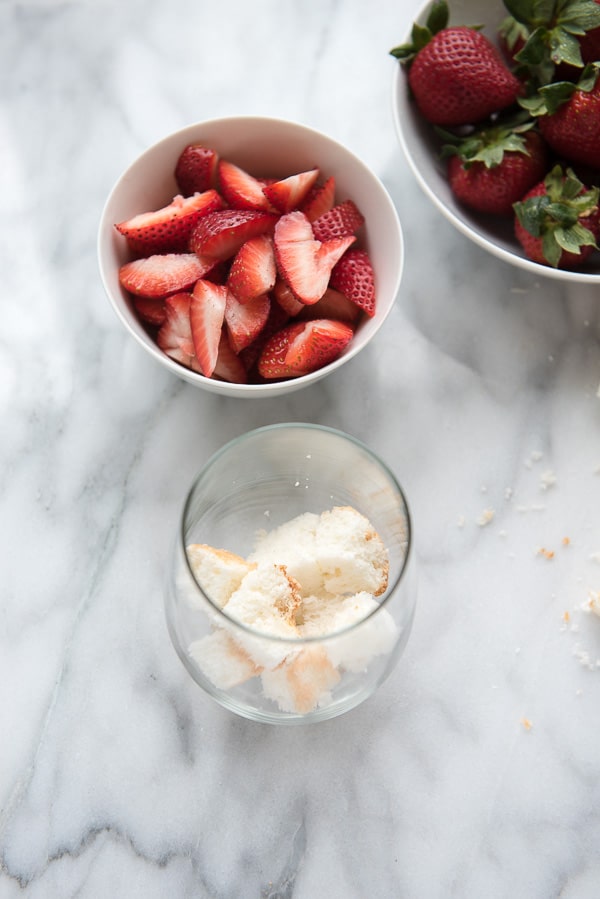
{"type": "Point", "coordinates": [196, 169]}
{"type": "Point", "coordinates": [151, 311]}
{"type": "Point", "coordinates": [175, 335]}
{"type": "Point", "coordinates": [168, 230]}
{"type": "Point", "coordinates": [303, 262]}
{"type": "Point", "coordinates": [245, 321]}
{"type": "Point", "coordinates": [220, 234]}
{"type": "Point", "coordinates": [319, 200]}
{"type": "Point", "coordinates": [289, 193]}
{"type": "Point", "coordinates": [240, 189]}
{"type": "Point", "coordinates": [303, 347]}
{"type": "Point", "coordinates": [160, 275]}
{"type": "Point", "coordinates": [207, 313]}
{"type": "Point", "coordinates": [253, 270]}
{"type": "Point", "coordinates": [354, 277]}
{"type": "Point", "coordinates": [229, 366]}
{"type": "Point", "coordinates": [332, 304]}
{"type": "Point", "coordinates": [342, 220]}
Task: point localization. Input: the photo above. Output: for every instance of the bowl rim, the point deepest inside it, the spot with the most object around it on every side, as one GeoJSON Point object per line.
{"type": "Point", "coordinates": [226, 388]}
{"type": "Point", "coordinates": [564, 275]}
{"type": "Point", "coordinates": [338, 435]}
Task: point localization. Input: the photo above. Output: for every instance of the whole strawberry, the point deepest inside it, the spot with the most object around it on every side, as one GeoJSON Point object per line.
{"type": "Point", "coordinates": [569, 118]}
{"type": "Point", "coordinates": [558, 222]}
{"type": "Point", "coordinates": [492, 169]}
{"type": "Point", "coordinates": [456, 75]}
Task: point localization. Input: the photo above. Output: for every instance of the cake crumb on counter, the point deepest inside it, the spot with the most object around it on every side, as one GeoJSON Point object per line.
{"type": "Point", "coordinates": [486, 516]}
{"type": "Point", "coordinates": [547, 480]}
{"type": "Point", "coordinates": [526, 723]}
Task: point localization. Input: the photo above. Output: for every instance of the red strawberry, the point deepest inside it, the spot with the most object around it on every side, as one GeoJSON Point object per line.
{"type": "Point", "coordinates": [456, 75]}
{"type": "Point", "coordinates": [291, 192]}
{"type": "Point", "coordinates": [253, 270]}
{"type": "Point", "coordinates": [494, 169]}
{"type": "Point", "coordinates": [168, 229]}
{"type": "Point", "coordinates": [207, 312]}
{"type": "Point", "coordinates": [245, 321]}
{"type": "Point", "coordinates": [342, 220]}
{"type": "Point", "coordinates": [220, 234]}
{"type": "Point", "coordinates": [278, 317]}
{"type": "Point", "coordinates": [175, 335]}
{"type": "Point", "coordinates": [151, 311]}
{"type": "Point", "coordinates": [332, 304]}
{"type": "Point", "coordinates": [303, 347]}
{"type": "Point", "coordinates": [240, 189]}
{"type": "Point", "coordinates": [319, 199]}
{"type": "Point", "coordinates": [158, 276]}
{"type": "Point", "coordinates": [558, 222]}
{"type": "Point", "coordinates": [572, 127]}
{"type": "Point", "coordinates": [354, 277]}
{"type": "Point", "coordinates": [229, 366]}
{"type": "Point", "coordinates": [196, 169]}
{"type": "Point", "coordinates": [286, 298]}
{"type": "Point", "coordinates": [305, 263]}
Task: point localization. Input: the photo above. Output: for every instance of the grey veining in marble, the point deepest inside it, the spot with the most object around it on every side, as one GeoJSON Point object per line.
{"type": "Point", "coordinates": [474, 772]}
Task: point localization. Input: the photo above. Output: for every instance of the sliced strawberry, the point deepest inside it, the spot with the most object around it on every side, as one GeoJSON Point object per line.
{"type": "Point", "coordinates": [319, 199]}
{"type": "Point", "coordinates": [175, 335]}
{"type": "Point", "coordinates": [229, 366]}
{"type": "Point", "coordinates": [286, 298]}
{"type": "Point", "coordinates": [207, 312]}
{"type": "Point", "coordinates": [196, 169]}
{"type": "Point", "coordinates": [303, 347]}
{"type": "Point", "coordinates": [289, 193]}
{"type": "Point", "coordinates": [278, 317]}
{"type": "Point", "coordinates": [342, 220]}
{"type": "Point", "coordinates": [303, 262]}
{"type": "Point", "coordinates": [240, 189]}
{"type": "Point", "coordinates": [220, 234]}
{"type": "Point", "coordinates": [332, 304]}
{"type": "Point", "coordinates": [354, 277]}
{"type": "Point", "coordinates": [151, 311]}
{"type": "Point", "coordinates": [245, 321]}
{"type": "Point", "coordinates": [160, 275]}
{"type": "Point", "coordinates": [168, 230]}
{"type": "Point", "coordinates": [253, 270]}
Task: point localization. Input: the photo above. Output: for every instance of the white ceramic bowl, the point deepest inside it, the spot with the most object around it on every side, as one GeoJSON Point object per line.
{"type": "Point", "coordinates": [259, 145]}
{"type": "Point", "coordinates": [420, 147]}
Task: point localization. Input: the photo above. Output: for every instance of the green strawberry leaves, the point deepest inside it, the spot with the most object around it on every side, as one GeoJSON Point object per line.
{"type": "Point", "coordinates": [436, 21]}
{"type": "Point", "coordinates": [488, 145]}
{"type": "Point", "coordinates": [550, 97]}
{"type": "Point", "coordinates": [549, 31]}
{"type": "Point", "coordinates": [557, 217]}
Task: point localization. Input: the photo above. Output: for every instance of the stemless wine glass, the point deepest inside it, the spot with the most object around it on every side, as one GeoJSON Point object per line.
{"type": "Point", "coordinates": [257, 483]}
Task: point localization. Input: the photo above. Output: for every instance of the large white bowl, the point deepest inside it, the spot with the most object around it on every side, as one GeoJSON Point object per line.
{"type": "Point", "coordinates": [260, 145]}
{"type": "Point", "coordinates": [421, 148]}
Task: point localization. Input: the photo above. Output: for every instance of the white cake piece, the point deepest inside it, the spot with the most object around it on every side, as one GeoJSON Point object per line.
{"type": "Point", "coordinates": [293, 544]}
{"type": "Point", "coordinates": [355, 650]}
{"type": "Point", "coordinates": [350, 553]}
{"type": "Point", "coordinates": [218, 571]}
{"type": "Point", "coordinates": [223, 662]}
{"type": "Point", "coordinates": [303, 682]}
{"type": "Point", "coordinates": [266, 601]}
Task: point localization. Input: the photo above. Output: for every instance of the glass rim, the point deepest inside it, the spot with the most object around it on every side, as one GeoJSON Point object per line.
{"type": "Point", "coordinates": [334, 432]}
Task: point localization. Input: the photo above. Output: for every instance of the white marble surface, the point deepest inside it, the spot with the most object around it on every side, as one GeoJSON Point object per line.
{"type": "Point", "coordinates": [118, 778]}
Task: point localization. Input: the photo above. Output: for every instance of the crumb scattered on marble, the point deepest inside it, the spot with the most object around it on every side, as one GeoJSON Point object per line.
{"type": "Point", "coordinates": [566, 541]}
{"type": "Point", "coordinates": [508, 493]}
{"type": "Point", "coordinates": [526, 723]}
{"type": "Point", "coordinates": [592, 603]}
{"type": "Point", "coordinates": [461, 521]}
{"type": "Point", "coordinates": [547, 479]}
{"type": "Point", "coordinates": [486, 516]}
{"type": "Point", "coordinates": [566, 617]}
{"type": "Point", "coordinates": [546, 553]}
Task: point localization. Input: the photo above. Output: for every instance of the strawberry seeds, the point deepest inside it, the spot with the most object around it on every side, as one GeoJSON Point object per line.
{"type": "Point", "coordinates": [248, 279]}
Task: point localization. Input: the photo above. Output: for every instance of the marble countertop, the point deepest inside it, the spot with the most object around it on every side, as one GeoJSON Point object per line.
{"type": "Point", "coordinates": [474, 771]}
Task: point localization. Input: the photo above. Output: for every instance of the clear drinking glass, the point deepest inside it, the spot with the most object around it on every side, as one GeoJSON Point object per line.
{"type": "Point", "coordinates": [254, 484]}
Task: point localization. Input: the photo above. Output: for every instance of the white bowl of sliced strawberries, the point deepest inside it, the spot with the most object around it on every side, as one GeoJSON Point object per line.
{"type": "Point", "coordinates": [500, 124]}
{"type": "Point", "coordinates": [250, 256]}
